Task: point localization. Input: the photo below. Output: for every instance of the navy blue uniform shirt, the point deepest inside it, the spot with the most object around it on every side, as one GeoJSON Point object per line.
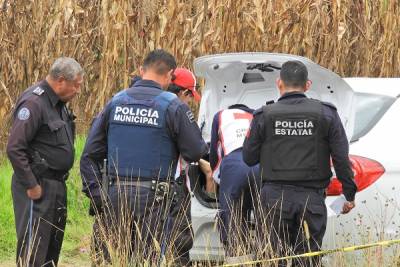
{"type": "Point", "coordinates": [338, 144]}
{"type": "Point", "coordinates": [181, 126]}
{"type": "Point", "coordinates": [43, 124]}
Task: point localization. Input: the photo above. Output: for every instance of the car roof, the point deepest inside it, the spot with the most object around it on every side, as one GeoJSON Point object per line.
{"type": "Point", "coordinates": [382, 86]}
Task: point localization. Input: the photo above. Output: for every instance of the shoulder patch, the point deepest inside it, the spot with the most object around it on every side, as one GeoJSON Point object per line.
{"type": "Point", "coordinates": [38, 91]}
{"type": "Point", "coordinates": [258, 111]}
{"type": "Point", "coordinates": [190, 116]}
{"type": "Point", "coordinates": [23, 114]}
{"type": "Point", "coordinates": [329, 105]}
{"type": "Point", "coordinates": [269, 102]}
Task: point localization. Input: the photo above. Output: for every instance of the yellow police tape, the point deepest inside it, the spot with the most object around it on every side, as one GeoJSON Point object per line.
{"type": "Point", "coordinates": [319, 253]}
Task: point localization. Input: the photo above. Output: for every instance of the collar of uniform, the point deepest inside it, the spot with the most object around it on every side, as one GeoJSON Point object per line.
{"type": "Point", "coordinates": [54, 99]}
{"type": "Point", "coordinates": [147, 83]}
{"type": "Point", "coordinates": [241, 107]}
{"type": "Point", "coordinates": [295, 94]}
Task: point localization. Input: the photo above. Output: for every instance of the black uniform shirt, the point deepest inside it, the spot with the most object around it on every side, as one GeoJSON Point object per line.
{"type": "Point", "coordinates": [42, 123]}
{"type": "Point", "coordinates": [181, 126]}
{"type": "Point", "coordinates": [337, 139]}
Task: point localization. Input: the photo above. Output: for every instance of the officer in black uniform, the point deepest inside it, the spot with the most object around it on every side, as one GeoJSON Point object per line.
{"type": "Point", "coordinates": [293, 140]}
{"type": "Point", "coordinates": [41, 151]}
{"type": "Point", "coordinates": [141, 132]}
{"type": "Point", "coordinates": [183, 84]}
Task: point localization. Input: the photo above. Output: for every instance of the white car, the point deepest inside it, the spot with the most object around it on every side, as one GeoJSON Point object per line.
{"type": "Point", "coordinates": [370, 112]}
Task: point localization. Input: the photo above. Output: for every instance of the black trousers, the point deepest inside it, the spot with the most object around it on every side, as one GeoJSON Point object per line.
{"type": "Point", "coordinates": [128, 228]}
{"type": "Point", "coordinates": [131, 227]}
{"type": "Point", "coordinates": [40, 224]}
{"type": "Point", "coordinates": [237, 197]}
{"type": "Point", "coordinates": [180, 229]}
{"type": "Point", "coordinates": [292, 221]}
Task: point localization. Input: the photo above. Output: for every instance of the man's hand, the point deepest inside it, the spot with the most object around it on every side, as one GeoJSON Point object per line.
{"type": "Point", "coordinates": [348, 206]}
{"type": "Point", "coordinates": [206, 169]}
{"type": "Point", "coordinates": [210, 184]}
{"type": "Point", "coordinates": [34, 193]}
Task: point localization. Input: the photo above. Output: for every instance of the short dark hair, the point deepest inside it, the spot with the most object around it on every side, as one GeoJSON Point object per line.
{"type": "Point", "coordinates": [159, 60]}
{"type": "Point", "coordinates": [238, 106]}
{"type": "Point", "coordinates": [173, 88]}
{"type": "Point", "coordinates": [294, 73]}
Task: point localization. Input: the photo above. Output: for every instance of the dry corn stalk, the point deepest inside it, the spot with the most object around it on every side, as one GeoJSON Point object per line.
{"type": "Point", "coordinates": [109, 38]}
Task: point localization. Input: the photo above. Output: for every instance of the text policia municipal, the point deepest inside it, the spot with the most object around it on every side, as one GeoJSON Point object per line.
{"type": "Point", "coordinates": [136, 115]}
{"type": "Point", "coordinates": [294, 127]}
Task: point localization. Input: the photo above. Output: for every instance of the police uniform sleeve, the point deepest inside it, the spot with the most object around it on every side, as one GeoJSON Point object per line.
{"type": "Point", "coordinates": [26, 123]}
{"type": "Point", "coordinates": [93, 155]}
{"type": "Point", "coordinates": [214, 142]}
{"type": "Point", "coordinates": [254, 139]}
{"type": "Point", "coordinates": [340, 157]}
{"type": "Point", "coordinates": [188, 137]}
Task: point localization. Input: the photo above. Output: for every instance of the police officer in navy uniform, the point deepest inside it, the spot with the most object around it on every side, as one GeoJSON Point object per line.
{"type": "Point", "coordinates": [294, 140]}
{"type": "Point", "coordinates": [41, 150]}
{"type": "Point", "coordinates": [141, 132]}
{"type": "Point", "coordinates": [183, 84]}
{"type": "Point", "coordinates": [237, 181]}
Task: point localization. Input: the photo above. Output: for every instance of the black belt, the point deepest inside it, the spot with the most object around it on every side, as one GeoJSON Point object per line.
{"type": "Point", "coordinates": [296, 187]}
{"type": "Point", "coordinates": [57, 175]}
{"type": "Point", "coordinates": [143, 182]}
{"type": "Point", "coordinates": [161, 189]}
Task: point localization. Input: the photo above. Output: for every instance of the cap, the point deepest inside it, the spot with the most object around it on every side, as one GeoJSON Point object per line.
{"type": "Point", "coordinates": [185, 78]}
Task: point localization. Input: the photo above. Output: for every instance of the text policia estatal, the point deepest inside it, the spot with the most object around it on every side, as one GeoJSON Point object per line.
{"type": "Point", "coordinates": [294, 127]}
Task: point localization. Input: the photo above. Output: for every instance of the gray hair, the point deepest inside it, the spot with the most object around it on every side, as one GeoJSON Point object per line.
{"type": "Point", "coordinates": [67, 68]}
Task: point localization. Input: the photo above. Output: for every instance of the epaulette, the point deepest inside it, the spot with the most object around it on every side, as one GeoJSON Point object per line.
{"type": "Point", "coordinates": [38, 91]}
{"type": "Point", "coordinates": [257, 111]}
{"type": "Point", "coordinates": [329, 105]}
{"type": "Point", "coordinates": [269, 102]}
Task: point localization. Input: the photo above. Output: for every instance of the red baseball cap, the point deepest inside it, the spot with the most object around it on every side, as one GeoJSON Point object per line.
{"type": "Point", "coordinates": [186, 79]}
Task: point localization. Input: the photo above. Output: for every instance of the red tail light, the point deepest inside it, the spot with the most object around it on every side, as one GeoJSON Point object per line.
{"type": "Point", "coordinates": [366, 172]}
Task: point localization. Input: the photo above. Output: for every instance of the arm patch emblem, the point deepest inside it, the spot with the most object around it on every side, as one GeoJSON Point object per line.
{"type": "Point", "coordinates": [23, 114]}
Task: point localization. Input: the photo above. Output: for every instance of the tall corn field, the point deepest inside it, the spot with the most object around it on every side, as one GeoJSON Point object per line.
{"type": "Point", "coordinates": [110, 38]}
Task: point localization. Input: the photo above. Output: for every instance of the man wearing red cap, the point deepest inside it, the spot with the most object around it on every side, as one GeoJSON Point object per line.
{"type": "Point", "coordinates": [183, 84]}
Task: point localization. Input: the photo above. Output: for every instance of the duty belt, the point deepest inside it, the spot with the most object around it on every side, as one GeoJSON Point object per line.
{"type": "Point", "coordinates": [162, 189]}
{"type": "Point", "coordinates": [296, 187]}
{"type": "Point", "coordinates": [145, 184]}
{"type": "Point", "coordinates": [57, 175]}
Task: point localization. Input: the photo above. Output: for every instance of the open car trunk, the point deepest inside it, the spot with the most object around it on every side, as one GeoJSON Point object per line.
{"type": "Point", "coordinates": [249, 78]}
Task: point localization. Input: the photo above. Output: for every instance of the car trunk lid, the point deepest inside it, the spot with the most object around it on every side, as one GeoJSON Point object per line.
{"type": "Point", "coordinates": [249, 78]}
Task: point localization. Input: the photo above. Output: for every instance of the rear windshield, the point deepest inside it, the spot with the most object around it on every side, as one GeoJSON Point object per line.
{"type": "Point", "coordinates": [369, 110]}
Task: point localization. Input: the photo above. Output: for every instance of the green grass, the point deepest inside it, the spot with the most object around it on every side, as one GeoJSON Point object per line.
{"type": "Point", "coordinates": [79, 223]}
{"type": "Point", "coordinates": [7, 229]}
{"type": "Point", "coordinates": [75, 251]}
